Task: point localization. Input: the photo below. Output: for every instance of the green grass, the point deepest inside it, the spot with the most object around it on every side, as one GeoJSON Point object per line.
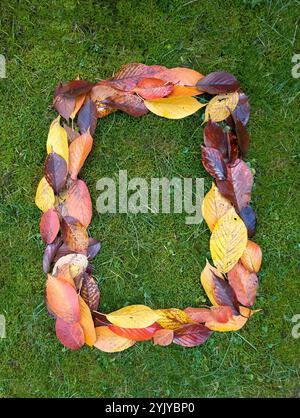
{"type": "Point", "coordinates": [155, 260]}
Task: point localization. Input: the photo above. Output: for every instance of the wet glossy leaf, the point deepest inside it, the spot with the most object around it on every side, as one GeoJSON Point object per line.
{"type": "Point", "coordinates": [90, 292]}
{"type": "Point", "coordinates": [87, 117]}
{"type": "Point", "coordinates": [244, 283]}
{"type": "Point", "coordinates": [87, 323]}
{"type": "Point", "coordinates": [218, 82]}
{"type": "Point", "coordinates": [78, 203]}
{"type": "Point", "coordinates": [109, 342]}
{"type": "Point", "coordinates": [249, 217]}
{"type": "Point", "coordinates": [163, 337]}
{"type": "Point", "coordinates": [172, 318]}
{"type": "Point", "coordinates": [214, 206]}
{"type": "Point", "coordinates": [62, 299]}
{"type": "Point", "coordinates": [137, 334]}
{"type": "Point", "coordinates": [220, 106]}
{"type": "Point", "coordinates": [128, 103]}
{"type": "Point", "coordinates": [70, 335]}
{"type": "Point", "coordinates": [252, 257]}
{"type": "Point", "coordinates": [44, 198]}
{"type": "Point", "coordinates": [58, 140]}
{"type": "Point", "coordinates": [134, 316]}
{"type": "Point", "coordinates": [174, 107]}
{"type": "Point", "coordinates": [78, 151]}
{"type": "Point", "coordinates": [153, 88]}
{"type": "Point", "coordinates": [56, 171]}
{"type": "Point", "coordinates": [214, 163]}
{"type": "Point", "coordinates": [191, 335]}
{"type": "Point", "coordinates": [49, 226]}
{"type": "Point", "coordinates": [228, 241]}
{"type": "Point", "coordinates": [74, 234]}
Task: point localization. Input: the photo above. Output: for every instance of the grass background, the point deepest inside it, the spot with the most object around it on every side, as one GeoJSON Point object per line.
{"type": "Point", "coordinates": [154, 260]}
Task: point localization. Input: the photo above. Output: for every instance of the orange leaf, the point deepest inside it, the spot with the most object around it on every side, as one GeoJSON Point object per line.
{"type": "Point", "coordinates": [78, 103]}
{"type": "Point", "coordinates": [87, 323]}
{"type": "Point", "coordinates": [180, 75]}
{"type": "Point", "coordinates": [70, 335]}
{"type": "Point", "coordinates": [78, 203]}
{"type": "Point", "coordinates": [153, 88]}
{"type": "Point", "coordinates": [109, 342]}
{"type": "Point", "coordinates": [184, 91]}
{"type": "Point", "coordinates": [62, 299]}
{"type": "Point", "coordinates": [163, 337]}
{"type": "Point", "coordinates": [79, 149]}
{"type": "Point", "coordinates": [74, 235]}
{"type": "Point", "coordinates": [137, 334]}
{"type": "Point", "coordinates": [219, 314]}
{"type": "Point", "coordinates": [244, 283]}
{"type": "Point", "coordinates": [252, 257]}
{"type": "Point", "coordinates": [49, 226]}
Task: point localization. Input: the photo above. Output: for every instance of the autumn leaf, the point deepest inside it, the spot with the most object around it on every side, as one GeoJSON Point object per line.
{"type": "Point", "coordinates": [62, 299]}
{"type": "Point", "coordinates": [71, 133]}
{"type": "Point", "coordinates": [228, 241]}
{"type": "Point", "coordinates": [76, 262]}
{"type": "Point", "coordinates": [100, 319]}
{"type": "Point", "coordinates": [242, 134]}
{"type": "Point", "coordinates": [44, 198]}
{"type": "Point", "coordinates": [218, 82]}
{"type": "Point", "coordinates": [134, 316]}
{"type": "Point", "coordinates": [252, 257]}
{"type": "Point", "coordinates": [214, 313]}
{"type": "Point", "coordinates": [234, 324]}
{"type": "Point", "coordinates": [74, 234]}
{"type": "Point", "coordinates": [49, 254]}
{"type": "Point", "coordinates": [49, 226]}
{"type": "Point", "coordinates": [180, 76]}
{"type": "Point", "coordinates": [87, 118]}
{"type": "Point", "coordinates": [242, 110]}
{"type": "Point", "coordinates": [184, 91]}
{"type": "Point", "coordinates": [239, 174]}
{"type": "Point", "coordinates": [174, 107]}
{"type": "Point", "coordinates": [214, 163]}
{"type": "Point", "coordinates": [93, 248]}
{"type": "Point", "coordinates": [215, 137]}
{"type": "Point", "coordinates": [172, 318]}
{"type": "Point", "coordinates": [219, 107]}
{"type": "Point", "coordinates": [128, 103]}
{"type": "Point", "coordinates": [109, 342]}
{"type": "Point", "coordinates": [153, 88]}
{"type": "Point", "coordinates": [56, 171]}
{"type": "Point", "coordinates": [248, 216]}
{"type": "Point", "coordinates": [191, 335]}
{"type": "Point", "coordinates": [86, 322]}
{"type": "Point", "coordinates": [78, 203]}
{"type": "Point", "coordinates": [70, 335]}
{"type": "Point", "coordinates": [214, 206]}
{"type": "Point", "coordinates": [244, 283]}
{"type": "Point", "coordinates": [78, 151]}
{"type": "Point", "coordinates": [90, 292]}
{"type": "Point", "coordinates": [79, 101]}
{"type": "Point", "coordinates": [163, 337]}
{"type": "Point", "coordinates": [137, 334]}
{"type": "Point", "coordinates": [58, 140]}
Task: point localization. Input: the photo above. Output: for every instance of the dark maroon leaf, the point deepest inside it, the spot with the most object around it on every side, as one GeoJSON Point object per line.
{"type": "Point", "coordinates": [215, 137]}
{"type": "Point", "coordinates": [56, 171]}
{"type": "Point", "coordinates": [72, 134]}
{"type": "Point", "coordinates": [226, 189]}
{"type": "Point", "coordinates": [62, 251]}
{"type": "Point", "coordinates": [191, 335]}
{"type": "Point", "coordinates": [127, 102]}
{"type": "Point", "coordinates": [87, 117]}
{"type": "Point", "coordinates": [73, 88]}
{"type": "Point", "coordinates": [90, 292]}
{"type": "Point", "coordinates": [64, 105]}
{"type": "Point", "coordinates": [224, 294]}
{"type": "Point", "coordinates": [93, 248]}
{"type": "Point", "coordinates": [249, 217]}
{"type": "Point", "coordinates": [100, 319]}
{"type": "Point", "coordinates": [242, 134]}
{"type": "Point", "coordinates": [242, 110]}
{"type": "Point", "coordinates": [232, 144]}
{"type": "Point", "coordinates": [49, 254]}
{"type": "Point", "coordinates": [218, 82]}
{"type": "Point", "coordinates": [214, 163]}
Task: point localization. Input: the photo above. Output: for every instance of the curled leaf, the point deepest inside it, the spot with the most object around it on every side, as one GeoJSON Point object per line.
{"type": "Point", "coordinates": [128, 103]}
{"type": "Point", "coordinates": [76, 262]}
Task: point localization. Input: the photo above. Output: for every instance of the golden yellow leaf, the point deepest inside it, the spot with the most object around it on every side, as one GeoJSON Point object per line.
{"type": "Point", "coordinates": [228, 241]}
{"type": "Point", "coordinates": [207, 281]}
{"type": "Point", "coordinates": [58, 140]}
{"type": "Point", "coordinates": [184, 91]}
{"type": "Point", "coordinates": [44, 198]}
{"type": "Point", "coordinates": [172, 318]}
{"type": "Point", "coordinates": [214, 206]}
{"type": "Point", "coordinates": [218, 107]}
{"type": "Point", "coordinates": [134, 316]}
{"type": "Point", "coordinates": [86, 322]}
{"type": "Point", "coordinates": [110, 342]}
{"type": "Point", "coordinates": [174, 107]}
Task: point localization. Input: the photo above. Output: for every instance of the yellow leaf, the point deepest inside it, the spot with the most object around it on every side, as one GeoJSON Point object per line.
{"type": "Point", "coordinates": [184, 91]}
{"type": "Point", "coordinates": [207, 281]}
{"type": "Point", "coordinates": [86, 322]}
{"type": "Point", "coordinates": [174, 107]}
{"type": "Point", "coordinates": [228, 241]}
{"type": "Point", "coordinates": [172, 318]}
{"type": "Point", "coordinates": [214, 206]}
{"type": "Point", "coordinates": [134, 316]}
{"type": "Point", "coordinates": [58, 140]}
{"type": "Point", "coordinates": [44, 198]}
{"type": "Point", "coordinates": [218, 107]}
{"type": "Point", "coordinates": [110, 342]}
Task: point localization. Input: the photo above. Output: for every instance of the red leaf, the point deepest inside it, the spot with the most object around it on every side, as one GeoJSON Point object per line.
{"type": "Point", "coordinates": [87, 117]}
{"type": "Point", "coordinates": [49, 226]}
{"type": "Point", "coordinates": [72, 134]}
{"type": "Point", "coordinates": [79, 150]}
{"type": "Point", "coordinates": [90, 292]}
{"type": "Point", "coordinates": [244, 283]}
{"type": "Point", "coordinates": [56, 171]}
{"type": "Point", "coordinates": [180, 76]}
{"type": "Point", "coordinates": [127, 102]}
{"type": "Point", "coordinates": [78, 203]}
{"type": "Point", "coordinates": [242, 134]}
{"type": "Point", "coordinates": [137, 334]}
{"type": "Point", "coordinates": [153, 88]}
{"type": "Point", "coordinates": [218, 82]}
{"type": "Point", "coordinates": [191, 335]}
{"type": "Point", "coordinates": [220, 314]}
{"type": "Point", "coordinates": [215, 137]}
{"type": "Point", "coordinates": [49, 254]}
{"type": "Point", "coordinates": [224, 295]}
{"type": "Point", "coordinates": [214, 163]}
{"type": "Point", "coordinates": [70, 335]}
{"type": "Point", "coordinates": [242, 110]}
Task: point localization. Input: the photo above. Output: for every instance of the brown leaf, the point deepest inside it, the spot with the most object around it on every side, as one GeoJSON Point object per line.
{"type": "Point", "coordinates": [215, 137]}
{"type": "Point", "coordinates": [74, 235]}
{"type": "Point", "coordinates": [72, 134]}
{"type": "Point", "coordinates": [218, 82]}
{"type": "Point", "coordinates": [242, 134]}
{"type": "Point", "coordinates": [90, 292]}
{"type": "Point", "coordinates": [94, 248]}
{"type": "Point", "coordinates": [49, 226]}
{"type": "Point", "coordinates": [65, 96]}
{"type": "Point", "coordinates": [128, 103]}
{"type": "Point", "coordinates": [78, 151]}
{"type": "Point", "coordinates": [153, 88]}
{"type": "Point", "coordinates": [56, 171]}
